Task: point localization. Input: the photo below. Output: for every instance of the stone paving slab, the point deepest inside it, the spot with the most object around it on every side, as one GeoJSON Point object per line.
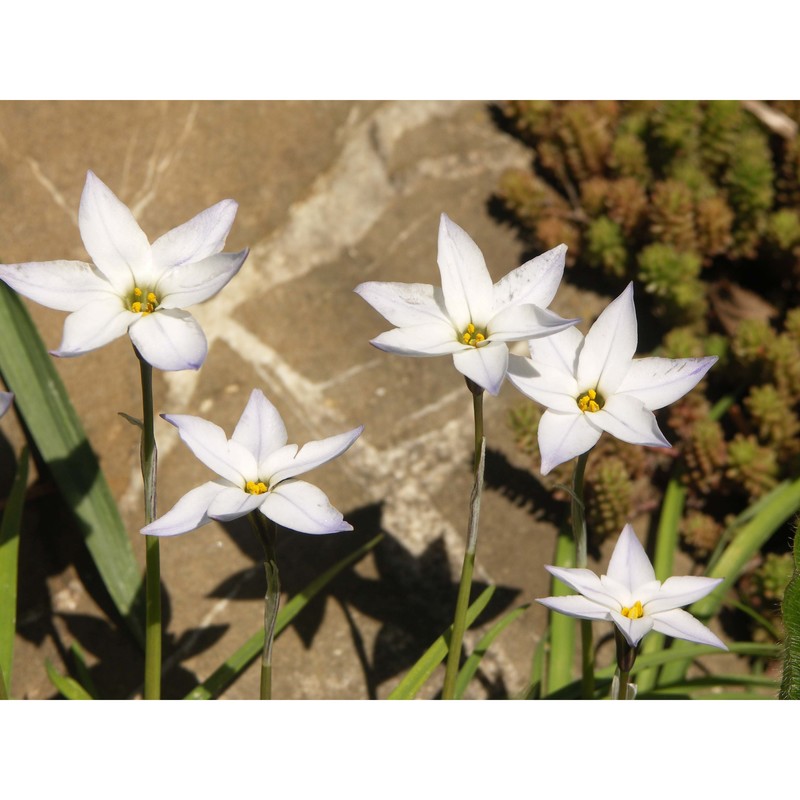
{"type": "Point", "coordinates": [331, 194]}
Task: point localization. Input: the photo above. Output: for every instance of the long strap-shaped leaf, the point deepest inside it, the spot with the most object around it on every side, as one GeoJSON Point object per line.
{"type": "Point", "coordinates": [42, 401]}
{"type": "Point", "coordinates": [227, 673]}
{"type": "Point", "coordinates": [748, 540]}
{"type": "Point", "coordinates": [415, 678]}
{"type": "Point", "coordinates": [471, 665]}
{"type": "Point", "coordinates": [9, 550]}
{"type": "Point", "coordinates": [790, 684]}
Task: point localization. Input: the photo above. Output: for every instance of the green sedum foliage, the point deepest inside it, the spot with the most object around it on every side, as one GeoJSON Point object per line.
{"type": "Point", "coordinates": [698, 203]}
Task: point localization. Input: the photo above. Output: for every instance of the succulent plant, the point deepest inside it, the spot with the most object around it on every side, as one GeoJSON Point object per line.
{"type": "Point", "coordinates": [699, 204]}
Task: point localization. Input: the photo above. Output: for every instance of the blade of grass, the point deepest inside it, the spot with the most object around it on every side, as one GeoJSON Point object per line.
{"type": "Point", "coordinates": [538, 665]}
{"type": "Point", "coordinates": [562, 627]}
{"type": "Point", "coordinates": [54, 427]}
{"type": "Point", "coordinates": [82, 671]}
{"type": "Point", "coordinates": [790, 609]}
{"type": "Point", "coordinates": [748, 540]}
{"type": "Point", "coordinates": [230, 670]}
{"type": "Point", "coordinates": [471, 665]}
{"type": "Point", "coordinates": [604, 675]}
{"type": "Point", "coordinates": [69, 687]}
{"type": "Point", "coordinates": [416, 677]}
{"type": "Point", "coordinates": [9, 557]}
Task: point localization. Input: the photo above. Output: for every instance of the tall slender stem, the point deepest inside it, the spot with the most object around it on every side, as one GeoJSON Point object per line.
{"type": "Point", "coordinates": [465, 584]}
{"type": "Point", "coordinates": [266, 531]}
{"type": "Point", "coordinates": [581, 558]}
{"type": "Point", "coordinates": [152, 647]}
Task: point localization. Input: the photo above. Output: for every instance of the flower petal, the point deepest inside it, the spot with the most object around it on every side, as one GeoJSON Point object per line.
{"type": "Point", "coordinates": [315, 454]}
{"type": "Point", "coordinates": [422, 341]}
{"type": "Point", "coordinates": [405, 304]}
{"type": "Point", "coordinates": [536, 281]}
{"type": "Point", "coordinates": [657, 382]}
{"type": "Point", "coordinates": [609, 346]}
{"type": "Point", "coordinates": [560, 351]}
{"type": "Point", "coordinates": [516, 323]}
{"type": "Point", "coordinates": [94, 325]}
{"type": "Point", "coordinates": [564, 436]}
{"type": "Point", "coordinates": [208, 442]}
{"type": "Point", "coordinates": [466, 284]}
{"type": "Point", "coordinates": [63, 285]}
{"type": "Point", "coordinates": [588, 584]}
{"type": "Point", "coordinates": [232, 503]}
{"type": "Point", "coordinates": [6, 399]}
{"type": "Point", "coordinates": [544, 384]}
{"type": "Point", "coordinates": [634, 630]}
{"type": "Point", "coordinates": [681, 624]}
{"type": "Point", "coordinates": [681, 591]}
{"type": "Point", "coordinates": [112, 236]}
{"type": "Point", "coordinates": [626, 418]}
{"type": "Point", "coordinates": [190, 512]}
{"type": "Point", "coordinates": [170, 339]}
{"type": "Point", "coordinates": [200, 237]}
{"type": "Point", "coordinates": [187, 284]}
{"type": "Point", "coordinates": [260, 429]}
{"type": "Point", "coordinates": [575, 606]}
{"type": "Point", "coordinates": [303, 507]}
{"type": "Point", "coordinates": [485, 365]}
{"type": "Point", "coordinates": [629, 564]}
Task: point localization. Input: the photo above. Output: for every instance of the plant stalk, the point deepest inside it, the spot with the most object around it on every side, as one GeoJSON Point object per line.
{"type": "Point", "coordinates": [465, 584]}
{"type": "Point", "coordinates": [152, 646]}
{"type": "Point", "coordinates": [581, 557]}
{"type": "Point", "coordinates": [266, 532]}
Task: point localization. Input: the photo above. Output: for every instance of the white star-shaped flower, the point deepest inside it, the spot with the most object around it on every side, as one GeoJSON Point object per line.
{"type": "Point", "coordinates": [256, 470]}
{"type": "Point", "coordinates": [469, 317]}
{"type": "Point", "coordinates": [133, 286]}
{"type": "Point", "coordinates": [631, 597]}
{"type": "Point", "coordinates": [593, 384]}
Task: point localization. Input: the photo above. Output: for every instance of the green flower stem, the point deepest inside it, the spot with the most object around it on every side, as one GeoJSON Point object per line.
{"type": "Point", "coordinates": [626, 656]}
{"type": "Point", "coordinates": [465, 584]}
{"type": "Point", "coordinates": [581, 557]}
{"type": "Point", "coordinates": [152, 645]}
{"type": "Point", "coordinates": [266, 532]}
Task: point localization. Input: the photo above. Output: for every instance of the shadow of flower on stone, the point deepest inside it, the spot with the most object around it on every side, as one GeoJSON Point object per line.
{"type": "Point", "coordinates": [409, 595]}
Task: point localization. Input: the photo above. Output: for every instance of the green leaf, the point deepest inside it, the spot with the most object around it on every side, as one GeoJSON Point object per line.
{"type": "Point", "coordinates": [69, 687]}
{"type": "Point", "coordinates": [230, 670]}
{"type": "Point", "coordinates": [790, 683]}
{"type": "Point", "coordinates": [416, 677]}
{"type": "Point", "coordinates": [562, 627]}
{"type": "Point", "coordinates": [54, 427]}
{"type": "Point", "coordinates": [9, 553]}
{"type": "Point", "coordinates": [470, 667]}
{"type": "Point", "coordinates": [82, 671]}
{"type": "Point", "coordinates": [747, 541]}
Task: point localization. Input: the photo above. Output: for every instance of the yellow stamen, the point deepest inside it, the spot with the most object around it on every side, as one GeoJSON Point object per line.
{"type": "Point", "coordinates": [588, 402]}
{"type": "Point", "coordinates": [472, 335]}
{"type": "Point", "coordinates": [634, 612]}
{"type": "Point", "coordinates": [144, 308]}
{"type": "Point", "coordinates": [251, 487]}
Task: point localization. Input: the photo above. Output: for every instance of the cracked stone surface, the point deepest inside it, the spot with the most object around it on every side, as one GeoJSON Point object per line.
{"type": "Point", "coordinates": [330, 194]}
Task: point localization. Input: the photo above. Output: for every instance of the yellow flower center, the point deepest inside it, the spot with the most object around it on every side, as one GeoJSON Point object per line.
{"type": "Point", "coordinates": [634, 612]}
{"type": "Point", "coordinates": [472, 336]}
{"type": "Point", "coordinates": [143, 306]}
{"type": "Point", "coordinates": [590, 401]}
{"type": "Point", "coordinates": [251, 487]}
